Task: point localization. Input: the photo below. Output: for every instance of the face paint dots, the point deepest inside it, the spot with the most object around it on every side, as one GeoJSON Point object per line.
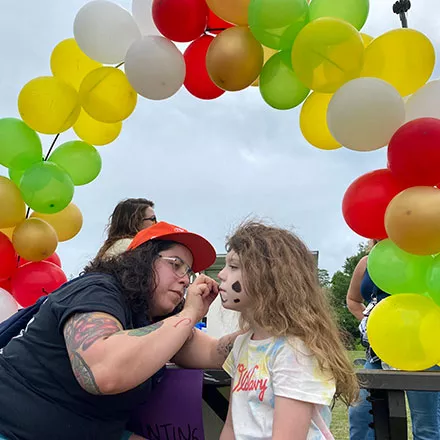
{"type": "Point", "coordinates": [236, 287]}
{"type": "Point", "coordinates": [236, 301]}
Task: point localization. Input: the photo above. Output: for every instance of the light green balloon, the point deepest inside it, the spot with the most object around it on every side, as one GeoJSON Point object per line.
{"type": "Point", "coordinates": [79, 159]}
{"type": "Point", "coordinates": [279, 85]}
{"type": "Point", "coordinates": [354, 12]}
{"type": "Point", "coordinates": [46, 188]}
{"type": "Point", "coordinates": [396, 271]}
{"type": "Point", "coordinates": [276, 23]}
{"type": "Point", "coordinates": [433, 279]}
{"type": "Point", "coordinates": [16, 175]}
{"type": "Point", "coordinates": [20, 146]}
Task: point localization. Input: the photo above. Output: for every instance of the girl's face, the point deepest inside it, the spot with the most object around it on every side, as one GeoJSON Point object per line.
{"type": "Point", "coordinates": [231, 289]}
{"type": "Point", "coordinates": [173, 271]}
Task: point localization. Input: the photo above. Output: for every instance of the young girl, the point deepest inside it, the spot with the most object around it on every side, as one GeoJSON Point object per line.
{"type": "Point", "coordinates": [290, 364]}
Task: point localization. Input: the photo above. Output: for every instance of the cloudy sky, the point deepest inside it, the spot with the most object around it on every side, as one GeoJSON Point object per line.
{"type": "Point", "coordinates": [207, 165]}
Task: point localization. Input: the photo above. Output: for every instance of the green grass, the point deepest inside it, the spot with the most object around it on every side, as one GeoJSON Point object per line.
{"type": "Point", "coordinates": [339, 426]}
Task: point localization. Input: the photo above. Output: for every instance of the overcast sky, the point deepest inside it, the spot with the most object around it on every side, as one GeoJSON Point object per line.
{"type": "Point", "coordinates": [207, 165]}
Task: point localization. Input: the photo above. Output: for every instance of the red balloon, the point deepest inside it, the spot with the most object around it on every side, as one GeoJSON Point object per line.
{"type": "Point", "coordinates": [54, 258]}
{"type": "Point", "coordinates": [197, 80]}
{"type": "Point", "coordinates": [34, 280]}
{"type": "Point", "coordinates": [414, 152]}
{"type": "Point", "coordinates": [180, 20]}
{"type": "Point", "coordinates": [6, 285]}
{"type": "Point", "coordinates": [8, 257]}
{"type": "Point", "coordinates": [366, 201]}
{"type": "Point", "coordinates": [217, 24]}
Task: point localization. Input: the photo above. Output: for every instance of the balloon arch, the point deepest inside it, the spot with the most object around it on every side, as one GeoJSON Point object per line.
{"type": "Point", "coordinates": [355, 92]}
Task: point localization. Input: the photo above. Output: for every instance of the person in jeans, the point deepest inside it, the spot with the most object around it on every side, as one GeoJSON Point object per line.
{"type": "Point", "coordinates": [424, 405]}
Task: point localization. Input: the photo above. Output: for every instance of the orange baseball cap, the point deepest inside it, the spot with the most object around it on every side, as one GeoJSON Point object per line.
{"type": "Point", "coordinates": [201, 249]}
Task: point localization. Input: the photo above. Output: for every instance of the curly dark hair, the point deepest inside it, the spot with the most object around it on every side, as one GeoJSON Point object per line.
{"type": "Point", "coordinates": [125, 222]}
{"type": "Point", "coordinates": [134, 272]}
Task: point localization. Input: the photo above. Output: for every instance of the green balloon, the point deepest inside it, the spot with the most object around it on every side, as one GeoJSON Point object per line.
{"type": "Point", "coordinates": [46, 188]}
{"type": "Point", "coordinates": [79, 159]}
{"type": "Point", "coordinates": [276, 23]}
{"type": "Point", "coordinates": [20, 146]}
{"type": "Point", "coordinates": [396, 271]}
{"type": "Point", "coordinates": [354, 12]}
{"type": "Point", "coordinates": [16, 175]}
{"type": "Point", "coordinates": [433, 279]}
{"type": "Point", "coordinates": [279, 85]}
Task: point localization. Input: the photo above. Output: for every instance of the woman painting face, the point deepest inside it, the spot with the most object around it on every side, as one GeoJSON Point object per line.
{"type": "Point", "coordinates": [173, 271]}
{"type": "Point", "coordinates": [231, 290]}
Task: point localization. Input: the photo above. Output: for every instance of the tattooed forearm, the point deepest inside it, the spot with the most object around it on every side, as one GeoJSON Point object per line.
{"type": "Point", "coordinates": [84, 329]}
{"type": "Point", "coordinates": [145, 330]}
{"type": "Point", "coordinates": [83, 374]}
{"type": "Point", "coordinates": [225, 345]}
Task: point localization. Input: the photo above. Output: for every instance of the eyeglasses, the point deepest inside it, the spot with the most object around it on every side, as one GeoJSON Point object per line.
{"type": "Point", "coordinates": [180, 268]}
{"type": "Point", "coordinates": [152, 219]}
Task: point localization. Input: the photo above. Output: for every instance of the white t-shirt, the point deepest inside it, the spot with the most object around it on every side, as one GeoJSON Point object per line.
{"type": "Point", "coordinates": [273, 367]}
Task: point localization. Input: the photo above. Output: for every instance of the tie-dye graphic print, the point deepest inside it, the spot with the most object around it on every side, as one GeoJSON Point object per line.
{"type": "Point", "coordinates": [273, 367]}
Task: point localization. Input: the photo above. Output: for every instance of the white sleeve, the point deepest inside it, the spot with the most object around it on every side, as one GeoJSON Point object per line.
{"type": "Point", "coordinates": [296, 375]}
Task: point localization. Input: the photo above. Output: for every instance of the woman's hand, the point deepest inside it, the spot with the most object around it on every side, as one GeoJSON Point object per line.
{"type": "Point", "coordinates": [200, 296]}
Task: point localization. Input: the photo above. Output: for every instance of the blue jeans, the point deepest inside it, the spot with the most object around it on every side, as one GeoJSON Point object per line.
{"type": "Point", "coordinates": [424, 407]}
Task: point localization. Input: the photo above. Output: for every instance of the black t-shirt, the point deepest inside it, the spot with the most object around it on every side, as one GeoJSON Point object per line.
{"type": "Point", "coordinates": [40, 398]}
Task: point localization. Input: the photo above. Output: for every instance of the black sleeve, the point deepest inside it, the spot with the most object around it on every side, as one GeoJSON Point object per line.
{"type": "Point", "coordinates": [89, 294]}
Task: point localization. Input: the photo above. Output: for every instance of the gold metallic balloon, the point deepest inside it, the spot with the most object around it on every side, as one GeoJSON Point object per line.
{"type": "Point", "coordinates": [412, 220]}
{"type": "Point", "coordinates": [234, 59]}
{"type": "Point", "coordinates": [233, 11]}
{"type": "Point", "coordinates": [34, 239]}
{"type": "Point", "coordinates": [67, 223]}
{"type": "Point", "coordinates": [12, 207]}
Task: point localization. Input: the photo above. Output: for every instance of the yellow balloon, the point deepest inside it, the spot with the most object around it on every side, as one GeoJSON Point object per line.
{"type": "Point", "coordinates": [107, 96]}
{"type": "Point", "coordinates": [48, 105]}
{"type": "Point", "coordinates": [70, 64]}
{"type": "Point", "coordinates": [67, 223]}
{"type": "Point", "coordinates": [233, 11]}
{"type": "Point", "coordinates": [234, 59]}
{"type": "Point", "coordinates": [313, 122]}
{"type": "Point", "coordinates": [367, 39]}
{"type": "Point", "coordinates": [403, 57]}
{"type": "Point", "coordinates": [267, 53]}
{"type": "Point", "coordinates": [12, 207]}
{"type": "Point", "coordinates": [412, 220]}
{"type": "Point", "coordinates": [34, 239]}
{"type": "Point", "coordinates": [403, 331]}
{"type": "Point", "coordinates": [327, 53]}
{"type": "Point", "coordinates": [94, 132]}
{"type": "Point", "coordinates": [8, 232]}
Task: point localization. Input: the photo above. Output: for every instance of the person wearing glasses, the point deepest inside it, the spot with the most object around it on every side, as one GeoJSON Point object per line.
{"type": "Point", "coordinates": [98, 345]}
{"type": "Point", "coordinates": [128, 218]}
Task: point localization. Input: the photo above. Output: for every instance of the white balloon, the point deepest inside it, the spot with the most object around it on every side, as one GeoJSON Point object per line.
{"type": "Point", "coordinates": [364, 114]}
{"type": "Point", "coordinates": [155, 67]}
{"type": "Point", "coordinates": [8, 305]}
{"type": "Point", "coordinates": [104, 31]}
{"type": "Point", "coordinates": [142, 13]}
{"type": "Point", "coordinates": [425, 103]}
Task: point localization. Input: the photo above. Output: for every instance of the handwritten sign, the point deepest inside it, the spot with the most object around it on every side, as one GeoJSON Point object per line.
{"type": "Point", "coordinates": [174, 408]}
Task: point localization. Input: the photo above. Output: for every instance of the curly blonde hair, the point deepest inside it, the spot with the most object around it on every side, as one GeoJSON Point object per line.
{"type": "Point", "coordinates": [280, 275]}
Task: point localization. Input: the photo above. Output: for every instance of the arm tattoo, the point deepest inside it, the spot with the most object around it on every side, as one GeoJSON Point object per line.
{"type": "Point", "coordinates": [84, 329]}
{"type": "Point", "coordinates": [145, 330]}
{"type": "Point", "coordinates": [225, 345]}
{"type": "Point", "coordinates": [83, 374]}
{"type": "Point", "coordinates": [183, 321]}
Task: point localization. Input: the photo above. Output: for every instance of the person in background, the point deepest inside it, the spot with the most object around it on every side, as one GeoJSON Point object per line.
{"type": "Point", "coordinates": [424, 406]}
{"type": "Point", "coordinates": [290, 364]}
{"type": "Point", "coordinates": [128, 218]}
